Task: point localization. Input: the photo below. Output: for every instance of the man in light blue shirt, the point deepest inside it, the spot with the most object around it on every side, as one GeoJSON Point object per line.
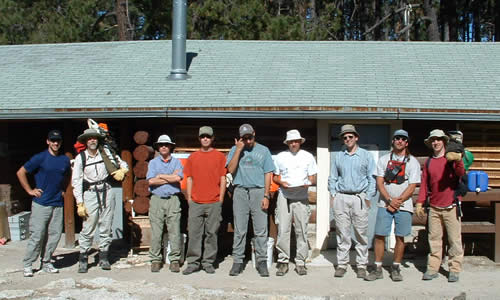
{"type": "Point", "coordinates": [351, 185]}
{"type": "Point", "coordinates": [252, 166]}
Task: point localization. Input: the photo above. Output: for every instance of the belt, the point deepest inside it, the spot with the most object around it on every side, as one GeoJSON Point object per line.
{"type": "Point", "coordinates": [162, 197]}
{"type": "Point", "coordinates": [249, 188]}
{"type": "Point", "coordinates": [349, 193]}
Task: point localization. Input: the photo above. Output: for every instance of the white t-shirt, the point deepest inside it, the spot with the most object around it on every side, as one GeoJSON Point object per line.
{"type": "Point", "coordinates": [412, 175]}
{"type": "Point", "coordinates": [295, 169]}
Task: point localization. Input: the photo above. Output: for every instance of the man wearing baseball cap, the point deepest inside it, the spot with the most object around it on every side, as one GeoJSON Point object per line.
{"type": "Point", "coordinates": [295, 171]}
{"type": "Point", "coordinates": [440, 177]}
{"type": "Point", "coordinates": [205, 171]}
{"type": "Point", "coordinates": [164, 175]}
{"type": "Point", "coordinates": [351, 185]}
{"type": "Point", "coordinates": [251, 165]}
{"type": "Point", "coordinates": [52, 169]}
{"type": "Point", "coordinates": [397, 176]}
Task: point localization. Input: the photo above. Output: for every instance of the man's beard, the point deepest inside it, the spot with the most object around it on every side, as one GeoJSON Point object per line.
{"type": "Point", "coordinates": [93, 146]}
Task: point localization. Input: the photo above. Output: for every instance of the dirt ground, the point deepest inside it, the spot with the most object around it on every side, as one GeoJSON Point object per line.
{"type": "Point", "coordinates": [131, 278]}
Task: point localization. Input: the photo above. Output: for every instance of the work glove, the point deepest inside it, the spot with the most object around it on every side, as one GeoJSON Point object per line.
{"type": "Point", "coordinates": [119, 174]}
{"type": "Point", "coordinates": [81, 210]}
{"type": "Point", "coordinates": [453, 156]}
{"type": "Point", "coordinates": [419, 210]}
{"type": "Point", "coordinates": [454, 151]}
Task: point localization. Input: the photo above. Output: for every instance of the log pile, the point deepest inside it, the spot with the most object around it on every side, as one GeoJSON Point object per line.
{"type": "Point", "coordinates": [142, 154]}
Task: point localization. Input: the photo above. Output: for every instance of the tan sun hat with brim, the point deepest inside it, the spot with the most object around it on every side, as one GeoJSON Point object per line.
{"type": "Point", "coordinates": [89, 133]}
{"type": "Point", "coordinates": [292, 135]}
{"type": "Point", "coordinates": [348, 128]}
{"type": "Point", "coordinates": [436, 133]}
{"type": "Point", "coordinates": [163, 139]}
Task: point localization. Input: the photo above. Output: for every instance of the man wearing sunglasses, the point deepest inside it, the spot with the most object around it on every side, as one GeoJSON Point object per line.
{"type": "Point", "coordinates": [397, 176]}
{"type": "Point", "coordinates": [440, 177]}
{"type": "Point", "coordinates": [252, 166]}
{"type": "Point", "coordinates": [164, 177]}
{"type": "Point", "coordinates": [205, 171]}
{"type": "Point", "coordinates": [52, 170]}
{"type": "Point", "coordinates": [351, 185]}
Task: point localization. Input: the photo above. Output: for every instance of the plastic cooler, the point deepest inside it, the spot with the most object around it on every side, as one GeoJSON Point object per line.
{"type": "Point", "coordinates": [477, 181]}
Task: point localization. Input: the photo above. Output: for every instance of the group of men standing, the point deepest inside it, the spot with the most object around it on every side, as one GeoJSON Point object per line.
{"type": "Point", "coordinates": [353, 181]}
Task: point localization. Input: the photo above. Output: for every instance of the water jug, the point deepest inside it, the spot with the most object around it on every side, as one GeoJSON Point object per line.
{"type": "Point", "coordinates": [477, 181]}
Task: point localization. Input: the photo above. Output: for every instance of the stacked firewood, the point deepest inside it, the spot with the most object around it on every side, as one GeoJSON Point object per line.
{"type": "Point", "coordinates": [142, 154]}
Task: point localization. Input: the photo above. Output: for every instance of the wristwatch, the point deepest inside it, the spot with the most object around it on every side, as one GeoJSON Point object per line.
{"type": "Point", "coordinates": [266, 196]}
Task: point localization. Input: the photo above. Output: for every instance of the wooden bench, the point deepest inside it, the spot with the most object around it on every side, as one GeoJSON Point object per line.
{"type": "Point", "coordinates": [489, 225]}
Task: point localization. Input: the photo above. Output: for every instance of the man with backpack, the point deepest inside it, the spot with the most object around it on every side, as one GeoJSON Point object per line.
{"type": "Point", "coordinates": [94, 197]}
{"type": "Point", "coordinates": [440, 178]}
{"type": "Point", "coordinates": [397, 176]}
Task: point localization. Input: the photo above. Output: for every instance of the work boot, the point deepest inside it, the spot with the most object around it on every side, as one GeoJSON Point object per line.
{"type": "Point", "coordinates": [49, 268]}
{"type": "Point", "coordinates": [375, 274]}
{"type": "Point", "coordinates": [340, 272]}
{"type": "Point", "coordinates": [396, 273]}
{"type": "Point", "coordinates": [236, 269]}
{"type": "Point", "coordinates": [103, 260]}
{"type": "Point", "coordinates": [28, 272]}
{"type": "Point", "coordinates": [361, 273]}
{"type": "Point", "coordinates": [83, 266]}
{"type": "Point", "coordinates": [282, 269]}
{"type": "Point", "coordinates": [453, 277]}
{"type": "Point", "coordinates": [209, 269]}
{"type": "Point", "coordinates": [262, 269]}
{"type": "Point", "coordinates": [156, 266]}
{"type": "Point", "coordinates": [190, 269]}
{"type": "Point", "coordinates": [301, 270]}
{"type": "Point", "coordinates": [175, 267]}
{"type": "Point", "coordinates": [429, 275]}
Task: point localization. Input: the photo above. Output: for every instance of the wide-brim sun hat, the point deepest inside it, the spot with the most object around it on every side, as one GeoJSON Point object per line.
{"type": "Point", "coordinates": [292, 135]}
{"type": "Point", "coordinates": [89, 133]}
{"type": "Point", "coordinates": [348, 128]}
{"type": "Point", "coordinates": [436, 133]}
{"type": "Point", "coordinates": [163, 139]}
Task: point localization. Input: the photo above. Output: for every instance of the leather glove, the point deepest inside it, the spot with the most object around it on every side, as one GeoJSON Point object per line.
{"type": "Point", "coordinates": [119, 174]}
{"type": "Point", "coordinates": [81, 210]}
{"type": "Point", "coordinates": [419, 210]}
{"type": "Point", "coordinates": [453, 156]}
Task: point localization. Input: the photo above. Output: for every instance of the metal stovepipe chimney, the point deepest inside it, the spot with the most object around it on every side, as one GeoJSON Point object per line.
{"type": "Point", "coordinates": [179, 24]}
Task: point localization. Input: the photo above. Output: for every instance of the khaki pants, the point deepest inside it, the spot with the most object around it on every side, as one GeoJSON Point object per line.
{"type": "Point", "coordinates": [286, 209]}
{"type": "Point", "coordinates": [439, 219]}
{"type": "Point", "coordinates": [165, 211]}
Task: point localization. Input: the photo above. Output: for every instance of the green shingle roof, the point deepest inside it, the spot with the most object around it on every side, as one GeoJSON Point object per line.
{"type": "Point", "coordinates": [253, 78]}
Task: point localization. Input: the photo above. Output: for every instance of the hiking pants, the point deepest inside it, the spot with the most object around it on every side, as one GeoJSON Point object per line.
{"type": "Point", "coordinates": [46, 224]}
{"type": "Point", "coordinates": [100, 211]}
{"type": "Point", "coordinates": [165, 211]}
{"type": "Point", "coordinates": [286, 211]}
{"type": "Point", "coordinates": [246, 202]}
{"type": "Point", "coordinates": [439, 219]}
{"type": "Point", "coordinates": [351, 210]}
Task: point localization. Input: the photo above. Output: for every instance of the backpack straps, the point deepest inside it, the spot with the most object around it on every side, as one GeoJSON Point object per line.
{"type": "Point", "coordinates": [428, 196]}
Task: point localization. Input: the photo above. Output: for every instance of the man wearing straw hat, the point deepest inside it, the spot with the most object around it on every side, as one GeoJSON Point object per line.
{"type": "Point", "coordinates": [440, 177]}
{"type": "Point", "coordinates": [94, 197]}
{"type": "Point", "coordinates": [351, 185]}
{"type": "Point", "coordinates": [51, 170]}
{"type": "Point", "coordinates": [295, 170]}
{"type": "Point", "coordinates": [164, 177]}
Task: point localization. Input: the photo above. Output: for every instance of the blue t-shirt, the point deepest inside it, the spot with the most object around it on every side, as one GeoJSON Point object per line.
{"type": "Point", "coordinates": [49, 177]}
{"type": "Point", "coordinates": [158, 166]}
{"type": "Point", "coordinates": [253, 164]}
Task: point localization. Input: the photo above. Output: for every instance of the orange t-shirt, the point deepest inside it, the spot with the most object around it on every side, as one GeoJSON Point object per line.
{"type": "Point", "coordinates": [205, 169]}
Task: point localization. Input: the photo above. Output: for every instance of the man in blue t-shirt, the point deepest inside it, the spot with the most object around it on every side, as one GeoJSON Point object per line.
{"type": "Point", "coordinates": [51, 171]}
{"type": "Point", "coordinates": [252, 166]}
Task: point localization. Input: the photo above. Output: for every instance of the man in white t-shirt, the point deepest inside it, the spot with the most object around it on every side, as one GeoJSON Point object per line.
{"type": "Point", "coordinates": [398, 173]}
{"type": "Point", "coordinates": [295, 171]}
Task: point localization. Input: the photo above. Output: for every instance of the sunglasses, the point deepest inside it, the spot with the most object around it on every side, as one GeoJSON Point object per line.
{"type": "Point", "coordinates": [400, 138]}
{"type": "Point", "coordinates": [55, 140]}
{"type": "Point", "coordinates": [205, 136]}
{"type": "Point", "coordinates": [348, 137]}
{"type": "Point", "coordinates": [163, 145]}
{"type": "Point", "coordinates": [248, 137]}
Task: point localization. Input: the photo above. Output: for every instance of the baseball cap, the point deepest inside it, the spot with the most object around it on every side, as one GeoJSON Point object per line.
{"type": "Point", "coordinates": [54, 135]}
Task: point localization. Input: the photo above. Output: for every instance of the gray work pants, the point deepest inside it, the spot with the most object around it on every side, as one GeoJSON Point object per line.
{"type": "Point", "coordinates": [165, 211]}
{"type": "Point", "coordinates": [246, 202]}
{"type": "Point", "coordinates": [46, 224]}
{"type": "Point", "coordinates": [351, 210]}
{"type": "Point", "coordinates": [100, 218]}
{"type": "Point", "coordinates": [286, 211]}
{"type": "Point", "coordinates": [204, 220]}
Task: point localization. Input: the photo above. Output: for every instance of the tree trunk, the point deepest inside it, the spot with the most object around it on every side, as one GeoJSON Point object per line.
{"type": "Point", "coordinates": [432, 28]}
{"type": "Point", "coordinates": [121, 19]}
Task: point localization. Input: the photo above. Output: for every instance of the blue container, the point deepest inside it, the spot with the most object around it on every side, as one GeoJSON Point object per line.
{"type": "Point", "coordinates": [478, 181]}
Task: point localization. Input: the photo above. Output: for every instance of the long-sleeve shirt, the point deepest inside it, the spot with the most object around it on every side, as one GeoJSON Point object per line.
{"type": "Point", "coordinates": [95, 171]}
{"type": "Point", "coordinates": [444, 178]}
{"type": "Point", "coordinates": [352, 174]}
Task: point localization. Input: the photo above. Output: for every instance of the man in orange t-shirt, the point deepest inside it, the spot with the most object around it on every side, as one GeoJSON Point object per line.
{"type": "Point", "coordinates": [206, 184]}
